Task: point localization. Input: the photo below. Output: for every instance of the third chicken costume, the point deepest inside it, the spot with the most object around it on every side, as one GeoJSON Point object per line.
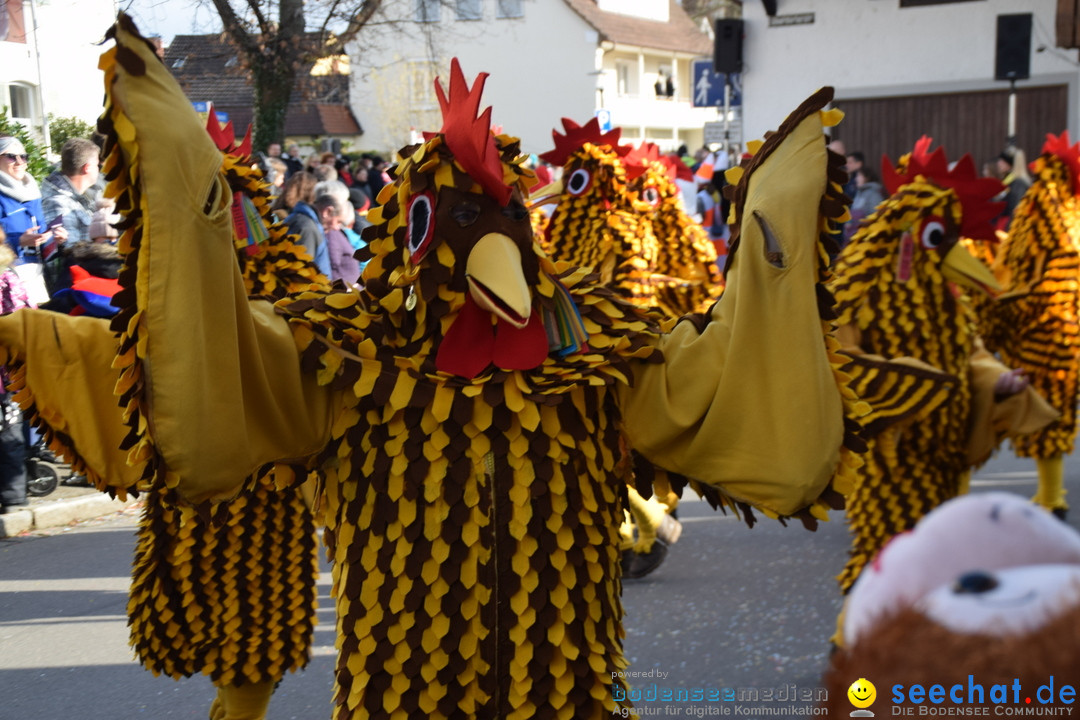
{"type": "Point", "coordinates": [468, 408]}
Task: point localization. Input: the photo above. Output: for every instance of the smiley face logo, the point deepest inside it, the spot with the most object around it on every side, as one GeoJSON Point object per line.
{"type": "Point", "coordinates": [862, 693]}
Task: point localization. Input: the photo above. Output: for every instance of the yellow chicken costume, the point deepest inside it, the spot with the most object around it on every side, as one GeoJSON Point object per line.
{"type": "Point", "coordinates": [467, 406]}
{"type": "Point", "coordinates": [896, 300]}
{"type": "Point", "coordinates": [1035, 325]}
{"type": "Point", "coordinates": [690, 279]}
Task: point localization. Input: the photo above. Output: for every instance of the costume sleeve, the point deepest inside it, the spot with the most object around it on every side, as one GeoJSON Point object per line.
{"type": "Point", "coordinates": [993, 418]}
{"type": "Point", "coordinates": [747, 398]}
{"type": "Point", "coordinates": [62, 373]}
{"type": "Point", "coordinates": [213, 385]}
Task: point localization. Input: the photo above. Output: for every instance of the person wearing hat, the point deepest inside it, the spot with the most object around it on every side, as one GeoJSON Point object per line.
{"type": "Point", "coordinates": [21, 215]}
{"type": "Point", "coordinates": [1012, 167]}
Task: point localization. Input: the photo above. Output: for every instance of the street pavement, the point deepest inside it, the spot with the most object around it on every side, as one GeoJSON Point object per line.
{"type": "Point", "coordinates": [730, 608]}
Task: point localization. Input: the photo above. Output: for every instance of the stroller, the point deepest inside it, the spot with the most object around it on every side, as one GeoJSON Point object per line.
{"type": "Point", "coordinates": [45, 472]}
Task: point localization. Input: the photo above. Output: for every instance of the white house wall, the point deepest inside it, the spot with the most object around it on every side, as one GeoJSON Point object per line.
{"type": "Point", "coordinates": [539, 69]}
{"type": "Point", "coordinates": [875, 48]}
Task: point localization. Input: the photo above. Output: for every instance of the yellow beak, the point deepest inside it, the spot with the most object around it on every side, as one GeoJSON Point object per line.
{"type": "Point", "coordinates": [550, 193]}
{"type": "Point", "coordinates": [961, 267]}
{"type": "Point", "coordinates": [496, 281]}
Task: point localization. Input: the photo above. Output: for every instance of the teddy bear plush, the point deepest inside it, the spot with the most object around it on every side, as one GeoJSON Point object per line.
{"type": "Point", "coordinates": [978, 607]}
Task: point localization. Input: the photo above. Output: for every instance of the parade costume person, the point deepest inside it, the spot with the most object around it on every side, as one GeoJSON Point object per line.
{"type": "Point", "coordinates": [467, 407]}
{"type": "Point", "coordinates": [234, 600]}
{"type": "Point", "coordinates": [1036, 323]}
{"type": "Point", "coordinates": [686, 257]}
{"type": "Point", "coordinates": [896, 300]}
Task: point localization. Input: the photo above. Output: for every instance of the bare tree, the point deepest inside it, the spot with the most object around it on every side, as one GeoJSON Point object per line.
{"type": "Point", "coordinates": [274, 42]}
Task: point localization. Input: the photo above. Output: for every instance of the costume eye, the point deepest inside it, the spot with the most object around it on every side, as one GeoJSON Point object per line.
{"type": "Point", "coordinates": [651, 195]}
{"type": "Point", "coordinates": [579, 181]}
{"type": "Point", "coordinates": [932, 234]}
{"type": "Point", "coordinates": [421, 225]}
{"type": "Point", "coordinates": [465, 213]}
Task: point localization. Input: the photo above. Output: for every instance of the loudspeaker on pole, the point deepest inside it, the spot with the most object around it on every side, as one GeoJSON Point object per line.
{"type": "Point", "coordinates": [727, 46]}
{"type": "Point", "coordinates": [1012, 59]}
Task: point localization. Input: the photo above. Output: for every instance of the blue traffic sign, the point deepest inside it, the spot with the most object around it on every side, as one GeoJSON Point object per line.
{"type": "Point", "coordinates": [604, 116]}
{"type": "Point", "coordinates": [708, 90]}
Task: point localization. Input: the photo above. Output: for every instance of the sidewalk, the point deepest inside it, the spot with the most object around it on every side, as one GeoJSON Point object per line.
{"type": "Point", "coordinates": [66, 505]}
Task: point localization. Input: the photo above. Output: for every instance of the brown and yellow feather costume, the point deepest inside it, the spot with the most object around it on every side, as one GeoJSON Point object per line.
{"type": "Point", "coordinates": [473, 488]}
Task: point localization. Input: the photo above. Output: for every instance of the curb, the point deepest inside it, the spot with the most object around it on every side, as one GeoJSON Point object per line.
{"type": "Point", "coordinates": [61, 512]}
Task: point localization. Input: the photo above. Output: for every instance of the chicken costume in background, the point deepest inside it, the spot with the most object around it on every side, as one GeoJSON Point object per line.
{"type": "Point", "coordinates": [685, 258]}
{"type": "Point", "coordinates": [895, 297]}
{"type": "Point", "coordinates": [467, 406]}
{"type": "Point", "coordinates": [983, 593]}
{"type": "Point", "coordinates": [1035, 325]}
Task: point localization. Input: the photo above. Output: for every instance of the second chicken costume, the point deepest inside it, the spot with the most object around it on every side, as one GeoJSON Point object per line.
{"type": "Point", "coordinates": [1036, 324]}
{"type": "Point", "coordinates": [896, 299]}
{"type": "Point", "coordinates": [466, 406]}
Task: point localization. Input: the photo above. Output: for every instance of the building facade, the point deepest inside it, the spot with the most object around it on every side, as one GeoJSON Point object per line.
{"type": "Point", "coordinates": [547, 59]}
{"type": "Point", "coordinates": [904, 68]}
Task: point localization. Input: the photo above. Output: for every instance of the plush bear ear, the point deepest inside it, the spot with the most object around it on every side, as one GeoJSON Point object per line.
{"type": "Point", "coordinates": [909, 649]}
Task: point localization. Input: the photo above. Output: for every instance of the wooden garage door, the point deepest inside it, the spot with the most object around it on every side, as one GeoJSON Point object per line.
{"type": "Point", "coordinates": [975, 123]}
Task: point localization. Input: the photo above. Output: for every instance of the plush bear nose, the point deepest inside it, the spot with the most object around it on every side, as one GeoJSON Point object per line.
{"type": "Point", "coordinates": [974, 583]}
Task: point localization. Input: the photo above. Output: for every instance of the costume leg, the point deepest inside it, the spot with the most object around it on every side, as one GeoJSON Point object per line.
{"type": "Point", "coordinates": [1051, 491]}
{"type": "Point", "coordinates": [964, 485]}
{"type": "Point", "coordinates": [242, 702]}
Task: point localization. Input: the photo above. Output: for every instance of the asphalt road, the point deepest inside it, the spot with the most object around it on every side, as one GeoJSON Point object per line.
{"type": "Point", "coordinates": [731, 607]}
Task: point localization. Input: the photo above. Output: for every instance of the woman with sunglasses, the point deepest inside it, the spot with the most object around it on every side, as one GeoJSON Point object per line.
{"type": "Point", "coordinates": [20, 204]}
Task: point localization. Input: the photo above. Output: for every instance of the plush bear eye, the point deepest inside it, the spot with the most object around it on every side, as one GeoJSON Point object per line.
{"type": "Point", "coordinates": [421, 225]}
{"type": "Point", "coordinates": [579, 181]}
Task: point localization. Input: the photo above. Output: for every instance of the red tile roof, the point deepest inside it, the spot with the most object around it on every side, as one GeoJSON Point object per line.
{"type": "Point", "coordinates": [209, 69]}
{"type": "Point", "coordinates": [680, 33]}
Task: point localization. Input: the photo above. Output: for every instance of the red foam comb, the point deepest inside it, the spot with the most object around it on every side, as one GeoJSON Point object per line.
{"type": "Point", "coordinates": [638, 160]}
{"type": "Point", "coordinates": [575, 138]}
{"type": "Point", "coordinates": [225, 138]}
{"type": "Point", "coordinates": [468, 135]}
{"type": "Point", "coordinates": [676, 168]}
{"type": "Point", "coordinates": [974, 192]}
{"type": "Point", "coordinates": [1069, 154]}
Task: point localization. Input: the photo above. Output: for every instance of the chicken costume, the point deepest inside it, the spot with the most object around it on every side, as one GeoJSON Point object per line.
{"type": "Point", "coordinates": [597, 222]}
{"type": "Point", "coordinates": [895, 299]}
{"type": "Point", "coordinates": [686, 258]}
{"type": "Point", "coordinates": [983, 593]}
{"type": "Point", "coordinates": [1036, 323]}
{"type": "Point", "coordinates": [467, 406]}
{"type": "Point", "coordinates": [233, 600]}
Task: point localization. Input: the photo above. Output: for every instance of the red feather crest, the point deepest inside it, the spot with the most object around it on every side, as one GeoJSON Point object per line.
{"type": "Point", "coordinates": [1070, 155]}
{"type": "Point", "coordinates": [575, 138]}
{"type": "Point", "coordinates": [225, 138]}
{"type": "Point", "coordinates": [638, 160]}
{"type": "Point", "coordinates": [468, 135]}
{"type": "Point", "coordinates": [974, 192]}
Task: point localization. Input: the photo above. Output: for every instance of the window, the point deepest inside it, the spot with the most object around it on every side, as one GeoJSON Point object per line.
{"type": "Point", "coordinates": [421, 84]}
{"type": "Point", "coordinates": [508, 9]}
{"type": "Point", "coordinates": [622, 79]}
{"type": "Point", "coordinates": [22, 102]}
{"type": "Point", "coordinates": [469, 10]}
{"type": "Point", "coordinates": [179, 62]}
{"type": "Point", "coordinates": [428, 10]}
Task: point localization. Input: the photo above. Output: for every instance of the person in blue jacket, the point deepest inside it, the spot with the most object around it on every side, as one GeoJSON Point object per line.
{"type": "Point", "coordinates": [20, 204]}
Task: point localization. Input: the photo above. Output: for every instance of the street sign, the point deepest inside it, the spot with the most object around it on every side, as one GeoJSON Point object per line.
{"type": "Point", "coordinates": [708, 88]}
{"type": "Point", "coordinates": [604, 116]}
{"type": "Point", "coordinates": [714, 133]}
